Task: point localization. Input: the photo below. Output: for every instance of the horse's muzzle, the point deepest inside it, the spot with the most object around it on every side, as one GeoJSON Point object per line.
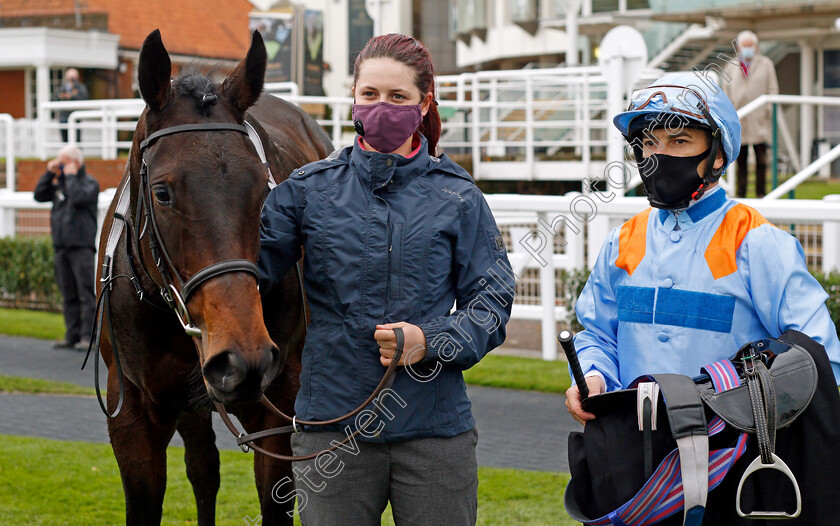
{"type": "Point", "coordinates": [231, 379]}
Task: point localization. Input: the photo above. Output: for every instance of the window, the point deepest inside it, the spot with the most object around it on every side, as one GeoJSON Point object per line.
{"type": "Point", "coordinates": [56, 78]}
{"type": "Point", "coordinates": [470, 15]}
{"type": "Point", "coordinates": [523, 10]}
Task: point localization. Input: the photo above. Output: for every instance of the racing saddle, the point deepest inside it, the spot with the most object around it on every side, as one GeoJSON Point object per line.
{"type": "Point", "coordinates": [764, 387]}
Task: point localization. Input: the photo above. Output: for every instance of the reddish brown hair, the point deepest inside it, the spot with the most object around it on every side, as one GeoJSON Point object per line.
{"type": "Point", "coordinates": [411, 52]}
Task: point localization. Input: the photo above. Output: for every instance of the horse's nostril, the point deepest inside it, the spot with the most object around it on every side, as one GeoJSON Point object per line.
{"type": "Point", "coordinates": [266, 360]}
{"type": "Point", "coordinates": [225, 371]}
{"type": "Point", "coordinates": [270, 364]}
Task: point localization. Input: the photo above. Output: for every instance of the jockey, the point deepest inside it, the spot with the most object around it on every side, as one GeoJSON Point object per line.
{"type": "Point", "coordinates": [690, 280]}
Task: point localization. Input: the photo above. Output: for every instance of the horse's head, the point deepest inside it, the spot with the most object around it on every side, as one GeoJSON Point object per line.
{"type": "Point", "coordinates": [205, 191]}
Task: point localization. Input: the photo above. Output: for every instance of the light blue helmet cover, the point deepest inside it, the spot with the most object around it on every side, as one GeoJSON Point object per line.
{"type": "Point", "coordinates": [720, 108]}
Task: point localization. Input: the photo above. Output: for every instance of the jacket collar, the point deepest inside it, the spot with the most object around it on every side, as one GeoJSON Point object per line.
{"type": "Point", "coordinates": [81, 172]}
{"type": "Point", "coordinates": [696, 212]}
{"type": "Point", "coordinates": [380, 169]}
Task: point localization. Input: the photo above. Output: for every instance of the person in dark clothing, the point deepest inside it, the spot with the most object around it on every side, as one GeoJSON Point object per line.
{"type": "Point", "coordinates": [74, 195]}
{"type": "Point", "coordinates": [394, 236]}
{"type": "Point", "coordinates": [71, 89]}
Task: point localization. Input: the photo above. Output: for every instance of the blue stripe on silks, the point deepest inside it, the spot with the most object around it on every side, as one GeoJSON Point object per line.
{"type": "Point", "coordinates": [635, 304]}
{"type": "Point", "coordinates": [696, 310]}
{"type": "Point", "coordinates": [704, 207]}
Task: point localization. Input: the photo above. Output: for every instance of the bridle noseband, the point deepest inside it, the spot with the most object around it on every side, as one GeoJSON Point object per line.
{"type": "Point", "coordinates": [176, 292]}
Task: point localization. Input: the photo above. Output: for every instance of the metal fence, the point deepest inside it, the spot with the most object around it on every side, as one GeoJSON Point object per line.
{"type": "Point", "coordinates": [543, 124]}
{"type": "Point", "coordinates": [534, 124]}
{"type": "Point", "coordinates": [545, 236]}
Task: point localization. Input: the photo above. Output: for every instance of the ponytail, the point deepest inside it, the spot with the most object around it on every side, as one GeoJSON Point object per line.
{"type": "Point", "coordinates": [430, 127]}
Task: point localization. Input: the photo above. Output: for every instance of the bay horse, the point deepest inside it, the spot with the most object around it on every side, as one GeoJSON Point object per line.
{"type": "Point", "coordinates": [193, 190]}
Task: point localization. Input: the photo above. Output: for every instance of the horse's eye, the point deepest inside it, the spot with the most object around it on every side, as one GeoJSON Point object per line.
{"type": "Point", "coordinates": [162, 194]}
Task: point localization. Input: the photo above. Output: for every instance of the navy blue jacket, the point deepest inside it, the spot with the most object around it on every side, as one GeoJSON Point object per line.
{"type": "Point", "coordinates": [389, 239]}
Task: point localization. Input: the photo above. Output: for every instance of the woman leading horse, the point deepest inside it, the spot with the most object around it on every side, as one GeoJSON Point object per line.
{"type": "Point", "coordinates": [393, 237]}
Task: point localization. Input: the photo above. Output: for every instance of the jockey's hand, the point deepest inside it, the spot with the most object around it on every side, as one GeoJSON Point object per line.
{"type": "Point", "coordinates": [596, 387]}
{"type": "Point", "coordinates": [414, 348]}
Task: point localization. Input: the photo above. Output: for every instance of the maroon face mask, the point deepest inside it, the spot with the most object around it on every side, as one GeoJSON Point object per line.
{"type": "Point", "coordinates": [386, 126]}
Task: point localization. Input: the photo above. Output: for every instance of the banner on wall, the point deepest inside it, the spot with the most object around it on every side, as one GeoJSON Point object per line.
{"type": "Point", "coordinates": [277, 30]}
{"type": "Point", "coordinates": [359, 29]}
{"type": "Point", "coordinates": [313, 52]}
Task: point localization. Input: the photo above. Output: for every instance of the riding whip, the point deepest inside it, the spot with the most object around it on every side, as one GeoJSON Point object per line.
{"type": "Point", "coordinates": [568, 344]}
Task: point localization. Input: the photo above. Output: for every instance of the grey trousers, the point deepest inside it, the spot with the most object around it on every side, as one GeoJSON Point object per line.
{"type": "Point", "coordinates": [429, 481]}
{"type": "Point", "coordinates": [75, 273]}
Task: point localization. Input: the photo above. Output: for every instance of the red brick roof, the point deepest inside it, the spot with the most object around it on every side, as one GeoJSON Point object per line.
{"type": "Point", "coordinates": [35, 7]}
{"type": "Point", "coordinates": [209, 28]}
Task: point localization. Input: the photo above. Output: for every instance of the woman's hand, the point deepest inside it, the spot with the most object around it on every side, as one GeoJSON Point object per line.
{"type": "Point", "coordinates": [414, 348]}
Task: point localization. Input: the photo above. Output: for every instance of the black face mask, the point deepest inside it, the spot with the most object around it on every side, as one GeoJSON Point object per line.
{"type": "Point", "coordinates": [672, 182]}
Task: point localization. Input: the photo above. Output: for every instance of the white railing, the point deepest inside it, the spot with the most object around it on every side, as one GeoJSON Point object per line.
{"type": "Point", "coordinates": [544, 235]}
{"type": "Point", "coordinates": [20, 214]}
{"type": "Point", "coordinates": [814, 167]}
{"type": "Point", "coordinates": [282, 88]}
{"type": "Point", "coordinates": [536, 124]}
{"type": "Point", "coordinates": [540, 124]}
{"type": "Point", "coordinates": [9, 151]}
{"type": "Point", "coordinates": [99, 122]}
{"type": "Point", "coordinates": [49, 141]}
{"type": "Point", "coordinates": [547, 234]}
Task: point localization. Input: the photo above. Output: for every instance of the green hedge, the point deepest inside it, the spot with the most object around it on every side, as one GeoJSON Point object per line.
{"type": "Point", "coordinates": [27, 279]}
{"type": "Point", "coordinates": [27, 274]}
{"type": "Point", "coordinates": [831, 283]}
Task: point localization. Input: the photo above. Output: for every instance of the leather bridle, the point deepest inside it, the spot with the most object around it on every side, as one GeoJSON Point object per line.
{"type": "Point", "coordinates": [176, 292]}
{"type": "Point", "coordinates": [246, 441]}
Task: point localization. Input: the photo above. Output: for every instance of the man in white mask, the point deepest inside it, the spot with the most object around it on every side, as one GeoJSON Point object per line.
{"type": "Point", "coordinates": [755, 76]}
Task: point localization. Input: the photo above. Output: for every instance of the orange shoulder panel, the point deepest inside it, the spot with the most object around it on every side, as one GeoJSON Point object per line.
{"type": "Point", "coordinates": [632, 242]}
{"type": "Point", "coordinates": [736, 224]}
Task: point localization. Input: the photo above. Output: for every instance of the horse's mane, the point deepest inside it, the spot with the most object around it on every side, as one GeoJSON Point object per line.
{"type": "Point", "coordinates": [201, 83]}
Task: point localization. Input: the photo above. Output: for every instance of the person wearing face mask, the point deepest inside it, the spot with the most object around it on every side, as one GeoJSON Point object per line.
{"type": "Point", "coordinates": [684, 284]}
{"type": "Point", "coordinates": [394, 236]}
{"type": "Point", "coordinates": [743, 83]}
{"type": "Point", "coordinates": [697, 266]}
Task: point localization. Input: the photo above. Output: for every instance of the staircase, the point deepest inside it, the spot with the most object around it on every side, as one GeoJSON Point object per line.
{"type": "Point", "coordinates": [698, 46]}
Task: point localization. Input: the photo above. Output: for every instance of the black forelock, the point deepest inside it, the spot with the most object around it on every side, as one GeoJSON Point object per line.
{"type": "Point", "coordinates": [201, 83]}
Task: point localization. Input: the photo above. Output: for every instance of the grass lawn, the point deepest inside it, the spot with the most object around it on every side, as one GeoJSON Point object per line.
{"type": "Point", "coordinates": [810, 189]}
{"type": "Point", "coordinates": [15, 384]}
{"type": "Point", "coordinates": [32, 323]}
{"type": "Point", "coordinates": [512, 372]}
{"type": "Point", "coordinates": [816, 189]}
{"type": "Point", "coordinates": [46, 482]}
{"type": "Point", "coordinates": [493, 371]}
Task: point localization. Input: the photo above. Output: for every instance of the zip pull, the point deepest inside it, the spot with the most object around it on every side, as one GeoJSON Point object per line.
{"type": "Point", "coordinates": [390, 248]}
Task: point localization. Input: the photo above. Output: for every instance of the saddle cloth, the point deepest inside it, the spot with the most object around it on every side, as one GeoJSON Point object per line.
{"type": "Point", "coordinates": [608, 465]}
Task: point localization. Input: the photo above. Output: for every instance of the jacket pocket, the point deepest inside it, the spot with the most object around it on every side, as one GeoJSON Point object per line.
{"type": "Point", "coordinates": [395, 256]}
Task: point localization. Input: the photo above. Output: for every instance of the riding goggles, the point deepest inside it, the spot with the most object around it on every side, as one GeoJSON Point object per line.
{"type": "Point", "coordinates": [654, 103]}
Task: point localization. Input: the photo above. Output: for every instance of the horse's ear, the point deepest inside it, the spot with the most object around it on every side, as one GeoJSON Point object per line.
{"type": "Point", "coordinates": [245, 83]}
{"type": "Point", "coordinates": [154, 72]}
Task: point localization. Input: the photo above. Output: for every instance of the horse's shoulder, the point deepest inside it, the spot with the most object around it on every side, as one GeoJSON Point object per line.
{"type": "Point", "coordinates": [333, 160]}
